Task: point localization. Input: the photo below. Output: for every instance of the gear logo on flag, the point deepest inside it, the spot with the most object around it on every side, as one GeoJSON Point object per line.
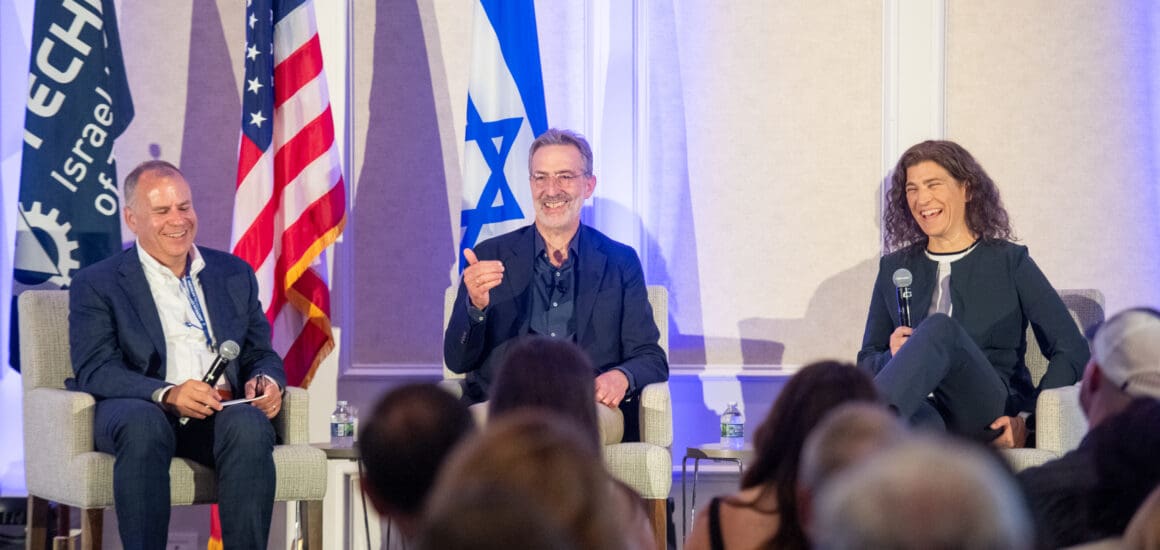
{"type": "Point", "coordinates": [44, 250]}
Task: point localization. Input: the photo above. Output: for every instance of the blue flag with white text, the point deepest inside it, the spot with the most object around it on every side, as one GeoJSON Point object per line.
{"type": "Point", "coordinates": [78, 102]}
{"type": "Point", "coordinates": [505, 113]}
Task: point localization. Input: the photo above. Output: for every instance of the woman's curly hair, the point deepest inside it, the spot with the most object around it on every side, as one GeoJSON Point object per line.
{"type": "Point", "coordinates": [986, 217]}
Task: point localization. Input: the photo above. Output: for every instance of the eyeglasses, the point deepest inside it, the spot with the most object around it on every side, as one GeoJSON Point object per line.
{"type": "Point", "coordinates": [540, 179]}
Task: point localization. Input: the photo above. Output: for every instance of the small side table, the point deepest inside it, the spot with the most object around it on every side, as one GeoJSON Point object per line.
{"type": "Point", "coordinates": [344, 513]}
{"type": "Point", "coordinates": [715, 452]}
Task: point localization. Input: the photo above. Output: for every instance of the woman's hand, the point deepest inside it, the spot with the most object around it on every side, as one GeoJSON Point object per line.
{"type": "Point", "coordinates": [899, 337]}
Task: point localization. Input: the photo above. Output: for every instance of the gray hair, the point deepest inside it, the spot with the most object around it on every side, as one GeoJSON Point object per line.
{"type": "Point", "coordinates": [847, 436]}
{"type": "Point", "coordinates": [557, 136]}
{"type": "Point", "coordinates": [160, 167]}
{"type": "Point", "coordinates": [924, 493]}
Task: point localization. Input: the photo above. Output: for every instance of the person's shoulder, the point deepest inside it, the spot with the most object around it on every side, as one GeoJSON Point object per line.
{"type": "Point", "coordinates": [903, 257]}
{"type": "Point", "coordinates": [608, 245]}
{"type": "Point", "coordinates": [104, 269]}
{"type": "Point", "coordinates": [504, 241]}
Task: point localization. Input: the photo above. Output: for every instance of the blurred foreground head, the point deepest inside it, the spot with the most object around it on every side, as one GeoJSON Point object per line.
{"type": "Point", "coordinates": [924, 493]}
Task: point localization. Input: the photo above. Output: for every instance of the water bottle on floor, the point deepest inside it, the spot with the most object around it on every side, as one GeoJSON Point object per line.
{"type": "Point", "coordinates": [341, 427]}
{"type": "Point", "coordinates": [732, 428]}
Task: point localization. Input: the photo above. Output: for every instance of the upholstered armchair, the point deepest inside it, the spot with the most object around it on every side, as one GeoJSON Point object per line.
{"type": "Point", "coordinates": [647, 465]}
{"type": "Point", "coordinates": [1060, 424]}
{"type": "Point", "coordinates": [63, 466]}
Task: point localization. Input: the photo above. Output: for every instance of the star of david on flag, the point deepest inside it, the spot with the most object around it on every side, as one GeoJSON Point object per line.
{"type": "Point", "coordinates": [505, 113]}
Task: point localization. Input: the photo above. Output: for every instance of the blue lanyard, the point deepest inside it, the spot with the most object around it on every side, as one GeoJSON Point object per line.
{"type": "Point", "coordinates": [195, 303]}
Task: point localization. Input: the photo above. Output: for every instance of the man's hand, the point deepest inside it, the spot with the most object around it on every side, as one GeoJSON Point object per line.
{"type": "Point", "coordinates": [271, 401]}
{"type": "Point", "coordinates": [1014, 434]}
{"type": "Point", "coordinates": [898, 337]}
{"type": "Point", "coordinates": [480, 277]}
{"type": "Point", "coordinates": [610, 388]}
{"type": "Point", "coordinates": [193, 399]}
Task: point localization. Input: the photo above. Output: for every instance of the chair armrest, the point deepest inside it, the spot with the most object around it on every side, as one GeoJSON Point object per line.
{"type": "Point", "coordinates": [1060, 423]}
{"type": "Point", "coordinates": [656, 415]}
{"type": "Point", "coordinates": [453, 386]}
{"type": "Point", "coordinates": [58, 425]}
{"type": "Point", "coordinates": [293, 422]}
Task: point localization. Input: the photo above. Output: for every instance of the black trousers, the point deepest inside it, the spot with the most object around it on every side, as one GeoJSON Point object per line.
{"type": "Point", "coordinates": [940, 378]}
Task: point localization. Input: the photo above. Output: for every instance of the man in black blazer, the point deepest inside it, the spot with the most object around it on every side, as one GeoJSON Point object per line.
{"type": "Point", "coordinates": [558, 278]}
{"type": "Point", "coordinates": [144, 327]}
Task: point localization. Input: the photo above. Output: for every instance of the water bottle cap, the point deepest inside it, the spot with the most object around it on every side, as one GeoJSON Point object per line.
{"type": "Point", "coordinates": [341, 403]}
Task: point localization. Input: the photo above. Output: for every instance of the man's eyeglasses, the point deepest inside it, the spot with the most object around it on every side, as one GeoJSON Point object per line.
{"type": "Point", "coordinates": [541, 179]}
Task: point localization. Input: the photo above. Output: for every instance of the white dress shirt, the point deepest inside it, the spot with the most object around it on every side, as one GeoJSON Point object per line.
{"type": "Point", "coordinates": [187, 353]}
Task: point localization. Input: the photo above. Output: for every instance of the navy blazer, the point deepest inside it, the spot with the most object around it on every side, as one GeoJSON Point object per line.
{"type": "Point", "coordinates": [117, 344]}
{"type": "Point", "coordinates": [996, 290]}
{"type": "Point", "coordinates": [614, 322]}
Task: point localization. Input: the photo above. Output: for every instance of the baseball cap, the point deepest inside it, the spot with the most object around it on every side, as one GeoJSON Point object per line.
{"type": "Point", "coordinates": [1127, 348]}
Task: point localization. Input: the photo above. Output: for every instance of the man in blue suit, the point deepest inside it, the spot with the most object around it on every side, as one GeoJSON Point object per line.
{"type": "Point", "coordinates": [557, 278]}
{"type": "Point", "coordinates": [144, 327]}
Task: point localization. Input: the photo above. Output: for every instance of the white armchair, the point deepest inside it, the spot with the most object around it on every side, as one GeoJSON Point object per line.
{"type": "Point", "coordinates": [64, 466]}
{"type": "Point", "coordinates": [646, 465]}
{"type": "Point", "coordinates": [1060, 422]}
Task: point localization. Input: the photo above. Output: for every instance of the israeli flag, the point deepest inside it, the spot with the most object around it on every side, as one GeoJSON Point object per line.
{"type": "Point", "coordinates": [505, 113]}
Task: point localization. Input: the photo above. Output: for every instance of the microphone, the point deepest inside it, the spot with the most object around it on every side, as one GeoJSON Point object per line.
{"type": "Point", "coordinates": [902, 281]}
{"type": "Point", "coordinates": [227, 352]}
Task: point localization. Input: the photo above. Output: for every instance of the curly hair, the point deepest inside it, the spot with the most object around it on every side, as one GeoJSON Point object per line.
{"type": "Point", "coordinates": [986, 217]}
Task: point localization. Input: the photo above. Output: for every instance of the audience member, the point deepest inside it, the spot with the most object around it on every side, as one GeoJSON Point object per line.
{"type": "Point", "coordinates": [923, 493]}
{"type": "Point", "coordinates": [402, 445]}
{"type": "Point", "coordinates": [1125, 364]}
{"type": "Point", "coordinates": [1127, 469]}
{"type": "Point", "coordinates": [489, 518]}
{"type": "Point", "coordinates": [846, 436]}
{"type": "Point", "coordinates": [765, 511]}
{"type": "Point", "coordinates": [550, 374]}
{"type": "Point", "coordinates": [549, 461]}
{"type": "Point", "coordinates": [1143, 532]}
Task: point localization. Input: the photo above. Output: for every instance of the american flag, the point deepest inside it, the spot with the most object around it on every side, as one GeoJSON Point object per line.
{"type": "Point", "coordinates": [291, 200]}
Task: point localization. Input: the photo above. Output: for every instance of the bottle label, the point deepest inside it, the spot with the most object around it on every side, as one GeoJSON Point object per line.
{"type": "Point", "coordinates": [341, 429]}
{"type": "Point", "coordinates": [732, 430]}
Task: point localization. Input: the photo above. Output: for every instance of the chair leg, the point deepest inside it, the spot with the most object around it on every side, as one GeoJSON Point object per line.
{"type": "Point", "coordinates": [92, 528]}
{"type": "Point", "coordinates": [657, 511]}
{"type": "Point", "coordinates": [37, 535]}
{"type": "Point", "coordinates": [311, 517]}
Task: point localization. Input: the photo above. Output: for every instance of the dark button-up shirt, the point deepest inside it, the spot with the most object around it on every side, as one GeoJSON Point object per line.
{"type": "Point", "coordinates": [553, 293]}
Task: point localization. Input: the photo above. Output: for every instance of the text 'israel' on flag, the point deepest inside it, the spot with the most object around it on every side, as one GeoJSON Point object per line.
{"type": "Point", "coordinates": [505, 113]}
{"type": "Point", "coordinates": [78, 103]}
{"type": "Point", "coordinates": [290, 203]}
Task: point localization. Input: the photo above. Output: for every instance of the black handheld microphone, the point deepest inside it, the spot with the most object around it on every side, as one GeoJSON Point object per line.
{"type": "Point", "coordinates": [902, 280]}
{"type": "Point", "coordinates": [227, 352]}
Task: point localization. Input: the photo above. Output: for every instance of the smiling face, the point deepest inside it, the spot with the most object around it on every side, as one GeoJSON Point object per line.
{"type": "Point", "coordinates": [559, 189]}
{"type": "Point", "coordinates": [161, 214]}
{"type": "Point", "coordinates": [938, 203]}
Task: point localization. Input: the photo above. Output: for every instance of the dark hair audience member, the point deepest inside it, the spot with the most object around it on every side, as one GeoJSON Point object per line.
{"type": "Point", "coordinates": [547, 374]}
{"type": "Point", "coordinates": [765, 511]}
{"type": "Point", "coordinates": [402, 445]}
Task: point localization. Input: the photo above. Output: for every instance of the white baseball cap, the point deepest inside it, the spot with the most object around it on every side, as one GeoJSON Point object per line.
{"type": "Point", "coordinates": [1127, 349]}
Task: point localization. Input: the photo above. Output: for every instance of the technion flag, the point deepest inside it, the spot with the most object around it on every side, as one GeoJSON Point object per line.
{"type": "Point", "coordinates": [505, 113]}
{"type": "Point", "coordinates": [78, 103]}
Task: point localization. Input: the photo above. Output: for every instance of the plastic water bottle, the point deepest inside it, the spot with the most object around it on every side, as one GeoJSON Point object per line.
{"type": "Point", "coordinates": [341, 427]}
{"type": "Point", "coordinates": [732, 428]}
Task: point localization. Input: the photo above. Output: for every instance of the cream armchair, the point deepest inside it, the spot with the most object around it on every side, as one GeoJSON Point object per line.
{"type": "Point", "coordinates": [1060, 424]}
{"type": "Point", "coordinates": [63, 466]}
{"type": "Point", "coordinates": [647, 465]}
